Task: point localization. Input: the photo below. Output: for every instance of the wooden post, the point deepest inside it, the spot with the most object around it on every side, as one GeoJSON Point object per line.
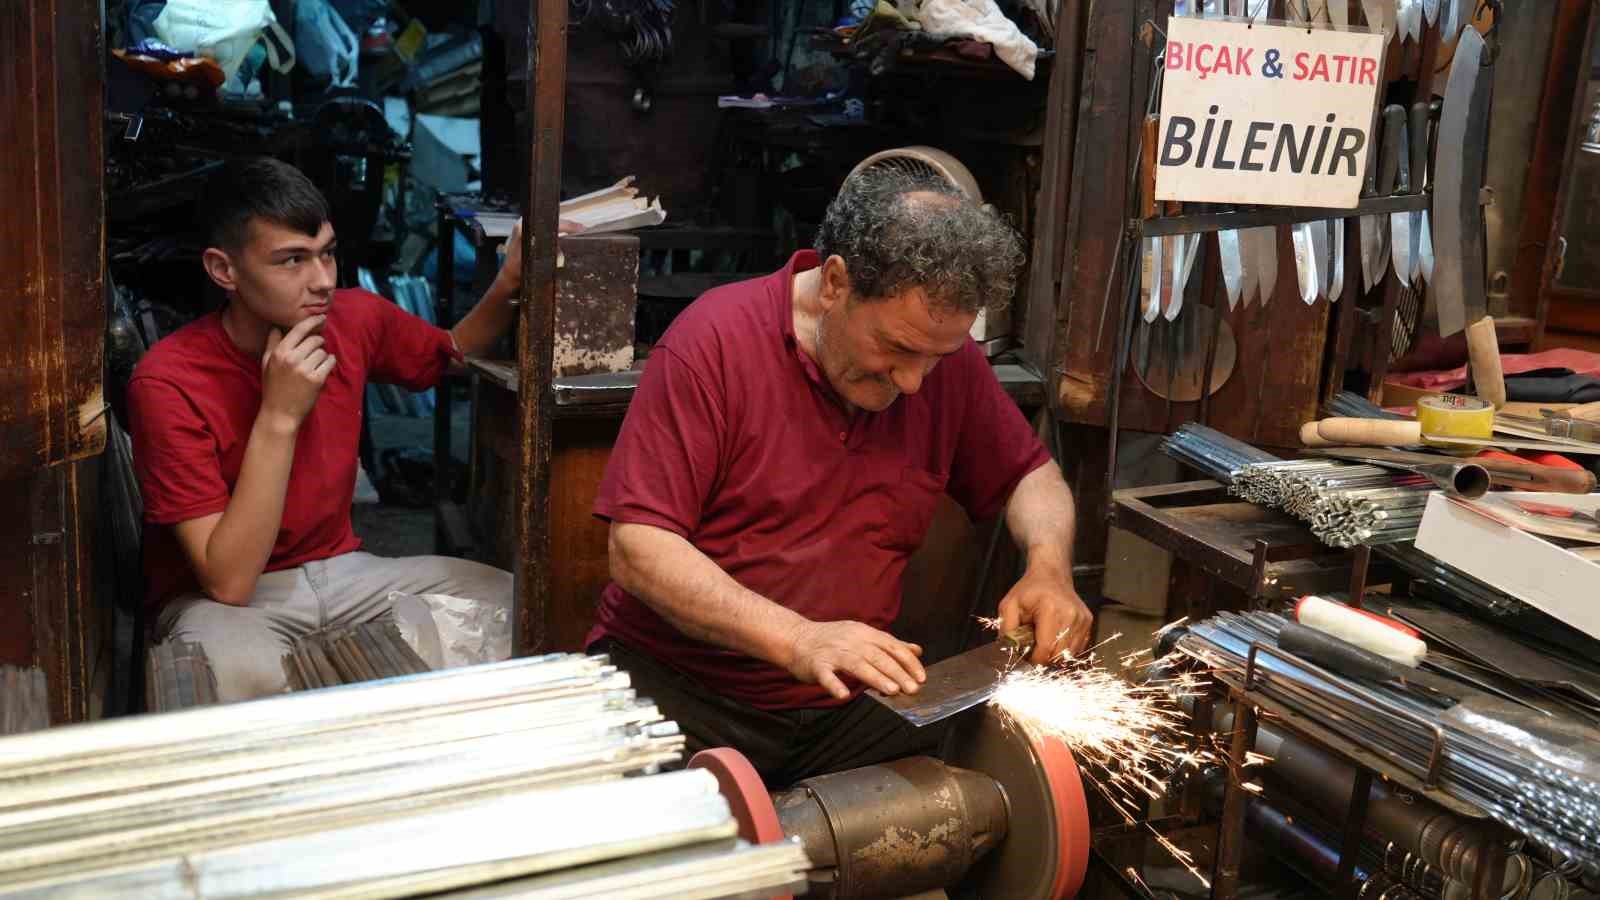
{"type": "Point", "coordinates": [547, 56]}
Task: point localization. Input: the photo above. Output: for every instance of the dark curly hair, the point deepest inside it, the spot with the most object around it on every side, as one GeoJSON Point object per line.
{"type": "Point", "coordinates": [965, 257]}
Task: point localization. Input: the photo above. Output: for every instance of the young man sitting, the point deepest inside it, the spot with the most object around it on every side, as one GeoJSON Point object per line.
{"type": "Point", "coordinates": [245, 427]}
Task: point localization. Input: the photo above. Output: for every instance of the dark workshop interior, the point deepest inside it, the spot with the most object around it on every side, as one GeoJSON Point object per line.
{"type": "Point", "coordinates": [1320, 477]}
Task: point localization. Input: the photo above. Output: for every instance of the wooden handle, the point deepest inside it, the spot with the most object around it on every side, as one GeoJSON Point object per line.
{"type": "Point", "coordinates": [1370, 432]}
{"type": "Point", "coordinates": [1588, 412]}
{"type": "Point", "coordinates": [1483, 349]}
{"type": "Point", "coordinates": [1147, 166]}
{"type": "Point", "coordinates": [1309, 437]}
{"type": "Point", "coordinates": [1534, 477]}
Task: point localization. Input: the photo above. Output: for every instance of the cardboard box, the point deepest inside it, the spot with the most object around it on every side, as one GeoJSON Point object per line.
{"type": "Point", "coordinates": [1557, 581]}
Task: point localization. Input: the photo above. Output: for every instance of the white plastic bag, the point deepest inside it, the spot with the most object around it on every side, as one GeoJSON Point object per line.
{"type": "Point", "coordinates": [325, 44]}
{"type": "Point", "coordinates": [224, 30]}
{"type": "Point", "coordinates": [470, 632]}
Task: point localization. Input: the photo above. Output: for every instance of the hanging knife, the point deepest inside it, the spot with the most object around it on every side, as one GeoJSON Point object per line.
{"type": "Point", "coordinates": [1458, 278]}
{"type": "Point", "coordinates": [1336, 279]}
{"type": "Point", "coordinates": [1150, 269]}
{"type": "Point", "coordinates": [1265, 239]}
{"type": "Point", "coordinates": [1305, 261]}
{"type": "Point", "coordinates": [1233, 275]}
{"type": "Point", "coordinates": [1420, 236]}
{"type": "Point", "coordinates": [1367, 226]}
{"type": "Point", "coordinates": [1394, 115]}
{"type": "Point", "coordinates": [1388, 172]}
{"type": "Point", "coordinates": [1380, 15]}
{"type": "Point", "coordinates": [1430, 11]}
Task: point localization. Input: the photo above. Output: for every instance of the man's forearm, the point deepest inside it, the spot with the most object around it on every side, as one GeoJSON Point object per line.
{"type": "Point", "coordinates": [478, 330]}
{"type": "Point", "coordinates": [239, 546]}
{"type": "Point", "coordinates": [1041, 518]}
{"type": "Point", "coordinates": [697, 597]}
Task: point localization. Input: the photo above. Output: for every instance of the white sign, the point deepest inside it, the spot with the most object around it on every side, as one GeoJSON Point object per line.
{"type": "Point", "coordinates": [1266, 113]}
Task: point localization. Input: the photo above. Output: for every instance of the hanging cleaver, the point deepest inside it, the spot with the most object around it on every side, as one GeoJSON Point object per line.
{"type": "Point", "coordinates": [1458, 279]}
{"type": "Point", "coordinates": [962, 681]}
{"type": "Point", "coordinates": [1264, 243]}
{"type": "Point", "coordinates": [1401, 242]}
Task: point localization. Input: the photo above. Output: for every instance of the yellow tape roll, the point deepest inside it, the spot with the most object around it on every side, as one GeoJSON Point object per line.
{"type": "Point", "coordinates": [1452, 415]}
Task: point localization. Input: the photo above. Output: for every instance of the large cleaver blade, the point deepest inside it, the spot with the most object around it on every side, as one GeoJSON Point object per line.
{"type": "Point", "coordinates": [963, 681]}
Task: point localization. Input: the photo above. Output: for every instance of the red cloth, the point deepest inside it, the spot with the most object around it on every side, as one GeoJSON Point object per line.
{"type": "Point", "coordinates": [193, 400]}
{"type": "Point", "coordinates": [735, 441]}
{"type": "Point", "coordinates": [1579, 361]}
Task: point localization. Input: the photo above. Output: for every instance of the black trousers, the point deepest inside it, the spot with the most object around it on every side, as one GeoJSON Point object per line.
{"type": "Point", "coordinates": [785, 746]}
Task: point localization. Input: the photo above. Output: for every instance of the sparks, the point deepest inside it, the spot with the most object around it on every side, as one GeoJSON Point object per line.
{"type": "Point", "coordinates": [1126, 736]}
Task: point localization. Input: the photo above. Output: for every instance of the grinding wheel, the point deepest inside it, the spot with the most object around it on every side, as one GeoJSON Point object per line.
{"type": "Point", "coordinates": [1045, 855]}
{"type": "Point", "coordinates": [745, 792]}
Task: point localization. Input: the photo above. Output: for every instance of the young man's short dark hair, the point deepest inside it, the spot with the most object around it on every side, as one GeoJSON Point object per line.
{"type": "Point", "coordinates": [259, 187]}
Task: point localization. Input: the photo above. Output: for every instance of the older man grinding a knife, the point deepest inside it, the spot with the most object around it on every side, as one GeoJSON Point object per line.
{"type": "Point", "coordinates": [782, 459]}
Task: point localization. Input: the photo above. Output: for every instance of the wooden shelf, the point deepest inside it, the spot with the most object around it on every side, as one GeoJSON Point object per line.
{"type": "Point", "coordinates": [1263, 552]}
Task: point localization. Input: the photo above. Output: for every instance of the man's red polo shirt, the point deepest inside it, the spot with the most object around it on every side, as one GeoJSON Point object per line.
{"type": "Point", "coordinates": [735, 441]}
{"type": "Point", "coordinates": [192, 403]}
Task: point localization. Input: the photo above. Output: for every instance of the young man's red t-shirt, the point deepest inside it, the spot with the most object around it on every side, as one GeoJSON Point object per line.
{"type": "Point", "coordinates": [193, 400]}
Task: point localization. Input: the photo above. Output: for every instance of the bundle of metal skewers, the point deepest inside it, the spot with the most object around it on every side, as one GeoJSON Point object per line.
{"type": "Point", "coordinates": [1344, 503]}
{"type": "Point", "coordinates": [436, 783]}
{"type": "Point", "coordinates": [1453, 582]}
{"type": "Point", "coordinates": [1211, 452]}
{"type": "Point", "coordinates": [1534, 771]}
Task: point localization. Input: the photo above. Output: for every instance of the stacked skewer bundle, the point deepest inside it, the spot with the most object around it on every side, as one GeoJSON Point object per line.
{"type": "Point", "coordinates": [513, 774]}
{"type": "Point", "coordinates": [1344, 503]}
{"type": "Point", "coordinates": [1524, 767]}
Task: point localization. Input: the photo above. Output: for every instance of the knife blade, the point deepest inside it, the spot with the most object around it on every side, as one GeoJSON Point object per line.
{"type": "Point", "coordinates": [1305, 261]}
{"type": "Point", "coordinates": [1367, 226]}
{"type": "Point", "coordinates": [1400, 222]}
{"type": "Point", "coordinates": [1266, 241]}
{"type": "Point", "coordinates": [1233, 274]}
{"type": "Point", "coordinates": [1430, 11]}
{"type": "Point", "coordinates": [1418, 129]}
{"type": "Point", "coordinates": [1336, 281]}
{"type": "Point", "coordinates": [1150, 283]}
{"type": "Point", "coordinates": [1426, 242]}
{"type": "Point", "coordinates": [962, 681]}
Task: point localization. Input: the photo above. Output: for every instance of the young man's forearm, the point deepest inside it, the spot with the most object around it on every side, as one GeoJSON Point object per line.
{"type": "Point", "coordinates": [493, 315]}
{"type": "Point", "coordinates": [697, 597]}
{"type": "Point", "coordinates": [240, 543]}
{"type": "Point", "coordinates": [1041, 516]}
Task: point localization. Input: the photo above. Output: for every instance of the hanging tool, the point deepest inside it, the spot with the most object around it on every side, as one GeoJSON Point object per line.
{"type": "Point", "coordinates": [1425, 242]}
{"type": "Point", "coordinates": [1150, 282]}
{"type": "Point", "coordinates": [1237, 280]}
{"type": "Point", "coordinates": [1380, 15]}
{"type": "Point", "coordinates": [1263, 242]}
{"type": "Point", "coordinates": [1336, 277]}
{"type": "Point", "coordinates": [1430, 12]}
{"type": "Point", "coordinates": [1409, 18]}
{"type": "Point", "coordinates": [1402, 242]}
{"type": "Point", "coordinates": [1458, 284]}
{"type": "Point", "coordinates": [1375, 229]}
{"type": "Point", "coordinates": [1305, 261]}
{"type": "Point", "coordinates": [1417, 132]}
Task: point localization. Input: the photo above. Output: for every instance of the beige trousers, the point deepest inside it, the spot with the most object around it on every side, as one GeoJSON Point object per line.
{"type": "Point", "coordinates": [246, 644]}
